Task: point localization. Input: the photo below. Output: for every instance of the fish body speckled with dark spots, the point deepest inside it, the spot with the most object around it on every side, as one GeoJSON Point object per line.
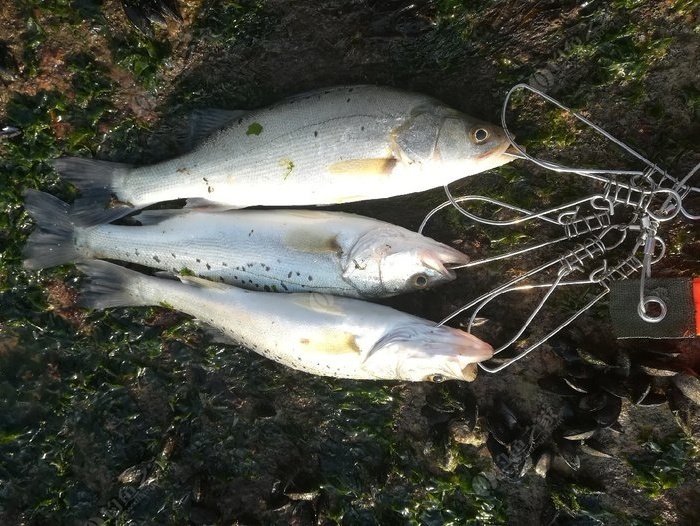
{"type": "Point", "coordinates": [335, 145]}
{"type": "Point", "coordinates": [268, 250]}
{"type": "Point", "coordinates": [315, 333]}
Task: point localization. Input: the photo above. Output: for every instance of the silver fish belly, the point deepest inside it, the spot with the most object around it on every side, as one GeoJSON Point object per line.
{"type": "Point", "coordinates": [329, 146]}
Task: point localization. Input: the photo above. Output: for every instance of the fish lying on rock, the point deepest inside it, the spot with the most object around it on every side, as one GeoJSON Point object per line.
{"type": "Point", "coordinates": [271, 250]}
{"type": "Point", "coordinates": [316, 333]}
{"type": "Point", "coordinates": [336, 145]}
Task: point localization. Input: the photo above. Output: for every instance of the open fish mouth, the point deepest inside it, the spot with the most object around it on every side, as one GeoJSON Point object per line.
{"type": "Point", "coordinates": [444, 260]}
{"type": "Point", "coordinates": [512, 151]}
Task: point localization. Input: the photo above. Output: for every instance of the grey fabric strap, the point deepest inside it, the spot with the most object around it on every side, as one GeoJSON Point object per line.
{"type": "Point", "coordinates": [677, 294]}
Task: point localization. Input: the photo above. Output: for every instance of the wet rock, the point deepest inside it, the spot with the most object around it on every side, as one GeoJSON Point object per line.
{"type": "Point", "coordinates": [201, 515]}
{"type": "Point", "coordinates": [608, 415]}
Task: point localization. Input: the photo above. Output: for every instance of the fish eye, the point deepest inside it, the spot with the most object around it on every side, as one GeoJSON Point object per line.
{"type": "Point", "coordinates": [419, 281]}
{"type": "Point", "coordinates": [480, 135]}
{"type": "Point", "coordinates": [436, 378]}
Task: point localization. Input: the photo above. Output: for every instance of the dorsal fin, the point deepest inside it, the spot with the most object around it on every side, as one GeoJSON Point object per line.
{"type": "Point", "coordinates": [201, 123]}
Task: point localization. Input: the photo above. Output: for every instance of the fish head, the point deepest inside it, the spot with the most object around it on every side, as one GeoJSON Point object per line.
{"type": "Point", "coordinates": [389, 260]}
{"type": "Point", "coordinates": [449, 144]}
{"type": "Point", "coordinates": [425, 352]}
{"type": "Point", "coordinates": [470, 146]}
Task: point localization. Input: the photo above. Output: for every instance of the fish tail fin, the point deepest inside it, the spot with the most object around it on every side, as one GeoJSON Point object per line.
{"type": "Point", "coordinates": [109, 285]}
{"type": "Point", "coordinates": [51, 243]}
{"type": "Point", "coordinates": [96, 180]}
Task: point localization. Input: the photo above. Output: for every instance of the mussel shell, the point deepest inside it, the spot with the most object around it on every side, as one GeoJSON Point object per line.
{"type": "Point", "coordinates": [654, 399]}
{"type": "Point", "coordinates": [617, 427]}
{"type": "Point", "coordinates": [138, 18]}
{"type": "Point", "coordinates": [556, 385]}
{"type": "Point", "coordinates": [579, 385]}
{"type": "Point", "coordinates": [441, 402]}
{"type": "Point", "coordinates": [542, 461]}
{"type": "Point", "coordinates": [641, 387]}
{"type": "Point", "coordinates": [624, 363]}
{"type": "Point", "coordinates": [499, 453]}
{"type": "Point", "coordinates": [592, 359]}
{"type": "Point", "coordinates": [7, 132]}
{"type": "Point", "coordinates": [689, 386]}
{"type": "Point", "coordinates": [513, 460]}
{"type": "Point", "coordinates": [579, 434]}
{"type": "Point", "coordinates": [613, 386]}
{"type": "Point", "coordinates": [169, 8]}
{"type": "Point", "coordinates": [608, 415]}
{"type": "Point", "coordinates": [593, 402]}
{"type": "Point", "coordinates": [682, 408]}
{"type": "Point", "coordinates": [503, 424]}
{"type": "Point", "coordinates": [658, 371]}
{"type": "Point", "coordinates": [568, 451]}
{"type": "Point", "coordinates": [595, 449]}
{"type": "Point", "coordinates": [435, 416]}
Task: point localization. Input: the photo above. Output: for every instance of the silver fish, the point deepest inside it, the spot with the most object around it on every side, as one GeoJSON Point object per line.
{"type": "Point", "coordinates": [271, 250]}
{"type": "Point", "coordinates": [316, 333]}
{"type": "Point", "coordinates": [336, 145]}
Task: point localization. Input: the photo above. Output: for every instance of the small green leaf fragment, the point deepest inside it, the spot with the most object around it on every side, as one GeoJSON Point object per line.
{"type": "Point", "coordinates": [184, 271]}
{"type": "Point", "coordinates": [255, 128]}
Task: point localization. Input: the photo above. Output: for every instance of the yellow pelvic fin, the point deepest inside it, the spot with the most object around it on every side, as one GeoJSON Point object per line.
{"type": "Point", "coordinates": [381, 166]}
{"type": "Point", "coordinates": [312, 242]}
{"type": "Point", "coordinates": [331, 342]}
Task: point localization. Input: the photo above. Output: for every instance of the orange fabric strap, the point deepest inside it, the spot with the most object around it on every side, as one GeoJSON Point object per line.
{"type": "Point", "coordinates": [696, 299]}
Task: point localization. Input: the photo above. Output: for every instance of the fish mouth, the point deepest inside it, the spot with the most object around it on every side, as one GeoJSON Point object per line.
{"type": "Point", "coordinates": [513, 151]}
{"type": "Point", "coordinates": [471, 349]}
{"type": "Point", "coordinates": [444, 260]}
{"type": "Point", "coordinates": [467, 351]}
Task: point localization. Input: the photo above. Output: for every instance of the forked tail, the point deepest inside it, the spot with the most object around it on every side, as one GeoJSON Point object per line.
{"type": "Point", "coordinates": [51, 243]}
{"type": "Point", "coordinates": [109, 285]}
{"type": "Point", "coordinates": [95, 179]}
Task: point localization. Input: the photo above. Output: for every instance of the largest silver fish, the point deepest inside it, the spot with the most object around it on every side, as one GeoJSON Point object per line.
{"type": "Point", "coordinates": [316, 333]}
{"type": "Point", "coordinates": [330, 146]}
